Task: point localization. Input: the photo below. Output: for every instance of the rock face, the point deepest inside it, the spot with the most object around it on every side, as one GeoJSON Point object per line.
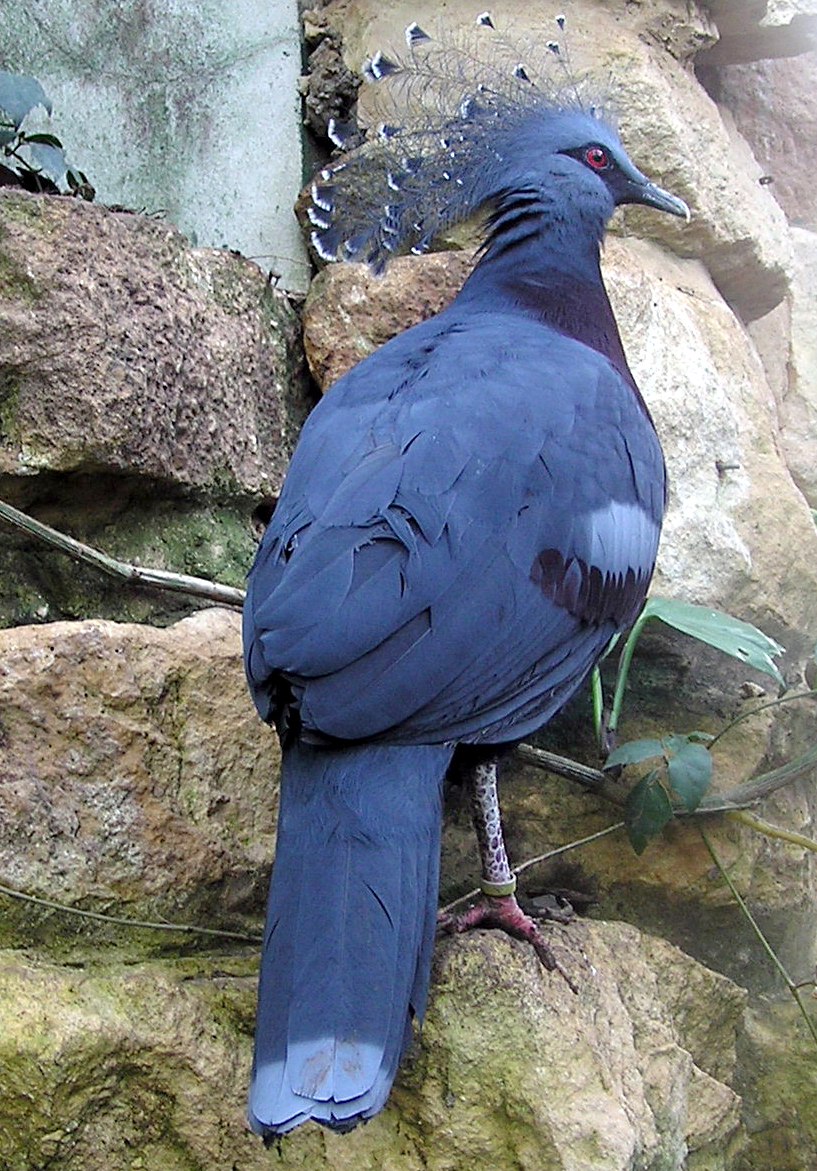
{"type": "Point", "coordinates": [513, 1068]}
{"type": "Point", "coordinates": [136, 778]}
{"type": "Point", "coordinates": [671, 126]}
{"type": "Point", "coordinates": [734, 508]}
{"type": "Point", "coordinates": [146, 390]}
{"type": "Point", "coordinates": [149, 393]}
{"type": "Point", "coordinates": [139, 356]}
{"type": "Point", "coordinates": [772, 103]}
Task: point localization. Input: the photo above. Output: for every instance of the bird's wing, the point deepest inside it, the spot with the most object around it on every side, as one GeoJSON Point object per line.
{"type": "Point", "coordinates": [447, 559]}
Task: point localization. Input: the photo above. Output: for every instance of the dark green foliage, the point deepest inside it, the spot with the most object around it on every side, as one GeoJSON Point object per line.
{"type": "Point", "coordinates": [36, 162]}
{"type": "Point", "coordinates": [680, 781]}
{"type": "Point", "coordinates": [685, 773]}
{"type": "Point", "coordinates": [647, 810]}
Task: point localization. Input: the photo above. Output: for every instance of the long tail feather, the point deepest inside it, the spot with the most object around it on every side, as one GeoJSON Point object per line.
{"type": "Point", "coordinates": [350, 929]}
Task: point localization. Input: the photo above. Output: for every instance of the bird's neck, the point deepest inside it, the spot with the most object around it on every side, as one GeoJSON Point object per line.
{"type": "Point", "coordinates": [543, 261]}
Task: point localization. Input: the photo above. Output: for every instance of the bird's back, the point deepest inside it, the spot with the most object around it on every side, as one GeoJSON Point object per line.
{"type": "Point", "coordinates": [471, 508]}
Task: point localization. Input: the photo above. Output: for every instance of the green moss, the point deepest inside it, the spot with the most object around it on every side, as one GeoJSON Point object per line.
{"type": "Point", "coordinates": [15, 282]}
{"type": "Point", "coordinates": [20, 207]}
{"type": "Point", "coordinates": [100, 1064]}
{"type": "Point", "coordinates": [778, 1082]}
{"type": "Point", "coordinates": [136, 522]}
{"type": "Point", "coordinates": [9, 400]}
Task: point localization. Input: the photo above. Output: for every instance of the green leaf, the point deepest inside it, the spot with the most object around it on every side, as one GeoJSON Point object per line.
{"type": "Point", "coordinates": [690, 771]}
{"type": "Point", "coordinates": [20, 94]}
{"type": "Point", "coordinates": [48, 139]}
{"type": "Point", "coordinates": [739, 639]}
{"type": "Point", "coordinates": [634, 751]}
{"type": "Point", "coordinates": [50, 158]}
{"type": "Point", "coordinates": [646, 811]}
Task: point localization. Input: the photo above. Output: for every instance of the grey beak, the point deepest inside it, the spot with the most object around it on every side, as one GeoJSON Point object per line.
{"type": "Point", "coordinates": [654, 196]}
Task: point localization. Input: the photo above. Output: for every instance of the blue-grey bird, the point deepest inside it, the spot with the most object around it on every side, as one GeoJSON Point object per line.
{"type": "Point", "coordinates": [470, 515]}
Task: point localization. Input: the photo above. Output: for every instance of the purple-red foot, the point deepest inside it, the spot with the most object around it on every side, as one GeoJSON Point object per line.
{"type": "Point", "coordinates": [505, 913]}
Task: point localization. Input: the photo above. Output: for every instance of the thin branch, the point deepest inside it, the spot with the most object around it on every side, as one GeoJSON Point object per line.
{"type": "Point", "coordinates": [517, 870]}
{"type": "Point", "coordinates": [161, 579]}
{"type": "Point", "coordinates": [772, 831]}
{"type": "Point", "coordinates": [741, 796]}
{"type": "Point", "coordinates": [590, 778]}
{"type": "Point", "coordinates": [187, 928]}
{"type": "Point", "coordinates": [793, 988]}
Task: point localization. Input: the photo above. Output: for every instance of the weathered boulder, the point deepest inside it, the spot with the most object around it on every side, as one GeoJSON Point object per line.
{"type": "Point", "coordinates": [349, 312]}
{"type": "Point", "coordinates": [148, 391]}
{"type": "Point", "coordinates": [135, 775]}
{"type": "Point", "coordinates": [772, 103]}
{"type": "Point", "coordinates": [513, 1068]}
{"type": "Point", "coordinates": [798, 406]}
{"type": "Point", "coordinates": [754, 30]}
{"type": "Point", "coordinates": [124, 349]}
{"type": "Point", "coordinates": [734, 516]}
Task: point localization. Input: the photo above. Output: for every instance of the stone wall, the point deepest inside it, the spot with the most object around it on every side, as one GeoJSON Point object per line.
{"type": "Point", "coordinates": [150, 393]}
{"type": "Point", "coordinates": [185, 110]}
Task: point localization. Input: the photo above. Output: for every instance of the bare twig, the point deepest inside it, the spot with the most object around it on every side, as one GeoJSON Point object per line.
{"type": "Point", "coordinates": [563, 766]}
{"type": "Point", "coordinates": [773, 831]}
{"type": "Point", "coordinates": [740, 797]}
{"type": "Point", "coordinates": [539, 858]}
{"type": "Point", "coordinates": [161, 579]}
{"type": "Point", "coordinates": [187, 928]}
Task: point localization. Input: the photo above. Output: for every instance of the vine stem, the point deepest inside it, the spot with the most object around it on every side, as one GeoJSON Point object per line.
{"type": "Point", "coordinates": [772, 831]}
{"type": "Point", "coordinates": [793, 988]}
{"type": "Point", "coordinates": [598, 702]}
{"type": "Point", "coordinates": [761, 708]}
{"type": "Point", "coordinates": [188, 928]}
{"type": "Point", "coordinates": [624, 668]}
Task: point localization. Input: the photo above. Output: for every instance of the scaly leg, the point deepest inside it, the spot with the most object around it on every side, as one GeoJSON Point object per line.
{"type": "Point", "coordinates": [497, 906]}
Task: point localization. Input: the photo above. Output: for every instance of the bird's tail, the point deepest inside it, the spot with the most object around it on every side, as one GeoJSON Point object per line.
{"type": "Point", "coordinates": [350, 930]}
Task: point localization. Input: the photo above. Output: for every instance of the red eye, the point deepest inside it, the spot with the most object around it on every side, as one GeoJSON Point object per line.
{"type": "Point", "coordinates": [597, 158]}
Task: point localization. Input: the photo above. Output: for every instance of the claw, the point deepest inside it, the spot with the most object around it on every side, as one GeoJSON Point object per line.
{"type": "Point", "coordinates": [505, 913]}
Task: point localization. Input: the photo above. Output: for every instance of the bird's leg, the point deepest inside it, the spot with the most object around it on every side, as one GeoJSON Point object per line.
{"type": "Point", "coordinates": [497, 906]}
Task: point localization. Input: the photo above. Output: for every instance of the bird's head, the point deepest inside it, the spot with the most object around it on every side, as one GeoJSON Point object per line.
{"type": "Point", "coordinates": [580, 154]}
{"type": "Point", "coordinates": [484, 138]}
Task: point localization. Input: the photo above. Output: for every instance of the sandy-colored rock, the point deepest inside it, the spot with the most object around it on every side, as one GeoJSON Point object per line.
{"type": "Point", "coordinates": [123, 349]}
{"type": "Point", "coordinates": [754, 30]}
{"type": "Point", "coordinates": [734, 513]}
{"type": "Point", "coordinates": [513, 1070]}
{"type": "Point", "coordinates": [734, 518]}
{"type": "Point", "coordinates": [673, 888]}
{"type": "Point", "coordinates": [135, 774]}
{"type": "Point", "coordinates": [671, 127]}
{"type": "Point", "coordinates": [798, 409]}
{"type": "Point", "coordinates": [349, 312]}
{"type": "Point", "coordinates": [772, 103]}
